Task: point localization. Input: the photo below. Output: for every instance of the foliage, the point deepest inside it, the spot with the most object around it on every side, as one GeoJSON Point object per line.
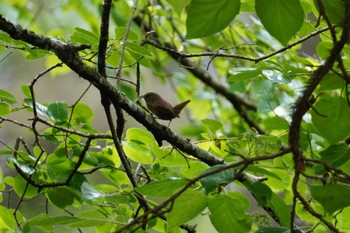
{"type": "Point", "coordinates": [264, 114]}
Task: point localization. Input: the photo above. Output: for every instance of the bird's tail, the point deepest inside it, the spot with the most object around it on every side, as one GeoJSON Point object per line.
{"type": "Point", "coordinates": [178, 108]}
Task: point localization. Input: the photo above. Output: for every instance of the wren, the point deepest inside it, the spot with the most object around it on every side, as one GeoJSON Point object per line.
{"type": "Point", "coordinates": [162, 108]}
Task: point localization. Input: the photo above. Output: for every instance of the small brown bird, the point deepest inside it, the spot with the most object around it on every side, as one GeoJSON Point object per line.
{"type": "Point", "coordinates": [162, 108]}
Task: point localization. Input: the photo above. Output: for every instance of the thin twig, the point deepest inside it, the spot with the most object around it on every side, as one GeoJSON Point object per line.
{"type": "Point", "coordinates": [128, 27]}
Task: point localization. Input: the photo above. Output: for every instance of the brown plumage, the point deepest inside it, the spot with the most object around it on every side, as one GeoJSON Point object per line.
{"type": "Point", "coordinates": [162, 108]}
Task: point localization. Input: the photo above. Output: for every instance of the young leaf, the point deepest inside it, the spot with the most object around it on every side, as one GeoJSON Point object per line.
{"type": "Point", "coordinates": [281, 210]}
{"type": "Point", "coordinates": [261, 191]}
{"type": "Point", "coordinates": [7, 220]}
{"type": "Point", "coordinates": [137, 152]}
{"type": "Point", "coordinates": [241, 74]}
{"type": "Point", "coordinates": [189, 204]}
{"type": "Point", "coordinates": [161, 188]}
{"type": "Point", "coordinates": [20, 185]}
{"type": "Point", "coordinates": [281, 18]}
{"type": "Point", "coordinates": [83, 36]}
{"type": "Point", "coordinates": [140, 135]}
{"type": "Point", "coordinates": [334, 10]}
{"type": "Point", "coordinates": [83, 114]}
{"type": "Point", "coordinates": [89, 218]}
{"type": "Point", "coordinates": [213, 125]}
{"type": "Point", "coordinates": [110, 154]}
{"type": "Point", "coordinates": [61, 196]}
{"type": "Point", "coordinates": [332, 196]}
{"type": "Point", "coordinates": [25, 90]}
{"type": "Point", "coordinates": [178, 5]}
{"type": "Point", "coordinates": [275, 76]}
{"type": "Point", "coordinates": [89, 193]}
{"type": "Point", "coordinates": [228, 212]}
{"type": "Point", "coordinates": [333, 124]}
{"type": "Point", "coordinates": [121, 31]}
{"type": "Point", "coordinates": [7, 97]}
{"type": "Point", "coordinates": [58, 112]}
{"type": "Point", "coordinates": [210, 183]}
{"type": "Point", "coordinates": [133, 47]}
{"type": "Point", "coordinates": [4, 109]}
{"type": "Point", "coordinates": [336, 155]}
{"type": "Point", "coordinates": [201, 14]}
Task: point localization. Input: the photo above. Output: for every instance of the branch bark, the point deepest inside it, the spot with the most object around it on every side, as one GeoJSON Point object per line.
{"type": "Point", "coordinates": [68, 54]}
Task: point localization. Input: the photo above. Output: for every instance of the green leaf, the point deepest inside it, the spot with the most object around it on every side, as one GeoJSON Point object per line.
{"type": "Point", "coordinates": [41, 221]}
{"type": "Point", "coordinates": [334, 10]}
{"type": "Point", "coordinates": [281, 18]}
{"type": "Point", "coordinates": [332, 196]}
{"type": "Point", "coordinates": [261, 192]}
{"type": "Point", "coordinates": [46, 223]}
{"type": "Point", "coordinates": [275, 76]}
{"type": "Point", "coordinates": [276, 123]}
{"type": "Point", "coordinates": [268, 199]}
{"type": "Point", "coordinates": [241, 74]}
{"type": "Point", "coordinates": [20, 187]}
{"type": "Point", "coordinates": [281, 209]}
{"type": "Point", "coordinates": [168, 158]}
{"type": "Point", "coordinates": [58, 168]}
{"type": "Point", "coordinates": [110, 154]}
{"type": "Point", "coordinates": [265, 94]}
{"type": "Point", "coordinates": [259, 169]}
{"type": "Point", "coordinates": [82, 114]}
{"type": "Point", "coordinates": [24, 166]}
{"type": "Point", "coordinates": [201, 14]}
{"type": "Point", "coordinates": [58, 112]}
{"type": "Point", "coordinates": [333, 124]}
{"type": "Point", "coordinates": [60, 196]}
{"type": "Point", "coordinates": [35, 54]}
{"type": "Point", "coordinates": [178, 5]}
{"type": "Point", "coordinates": [331, 81]}
{"type": "Point", "coordinates": [273, 230]}
{"type": "Point", "coordinates": [140, 135]}
{"type": "Point", "coordinates": [120, 33]}
{"type": "Point", "coordinates": [4, 109]}
{"type": "Point", "coordinates": [187, 206]}
{"type": "Point", "coordinates": [228, 212]}
{"type": "Point", "coordinates": [211, 182]}
{"type": "Point", "coordinates": [41, 109]}
{"type": "Point", "coordinates": [7, 97]}
{"type": "Point", "coordinates": [323, 49]}
{"type": "Point", "coordinates": [7, 221]}
{"type": "Point", "coordinates": [162, 188]}
{"type": "Point", "coordinates": [26, 90]}
{"type": "Point", "coordinates": [83, 36]}
{"type": "Point", "coordinates": [89, 193]}
{"type": "Point", "coordinates": [213, 125]}
{"type": "Point", "coordinates": [138, 152]}
{"type": "Point", "coordinates": [336, 155]}
{"type": "Point", "coordinates": [267, 144]}
{"type": "Point", "coordinates": [89, 218]}
{"type": "Point", "coordinates": [138, 49]}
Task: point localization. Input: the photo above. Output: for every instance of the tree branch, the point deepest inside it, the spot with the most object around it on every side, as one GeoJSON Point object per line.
{"type": "Point", "coordinates": [303, 105]}
{"type": "Point", "coordinates": [67, 53]}
{"type": "Point", "coordinates": [236, 56]}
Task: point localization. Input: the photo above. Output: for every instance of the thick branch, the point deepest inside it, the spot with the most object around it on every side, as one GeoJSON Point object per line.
{"type": "Point", "coordinates": [67, 53]}
{"type": "Point", "coordinates": [102, 46]}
